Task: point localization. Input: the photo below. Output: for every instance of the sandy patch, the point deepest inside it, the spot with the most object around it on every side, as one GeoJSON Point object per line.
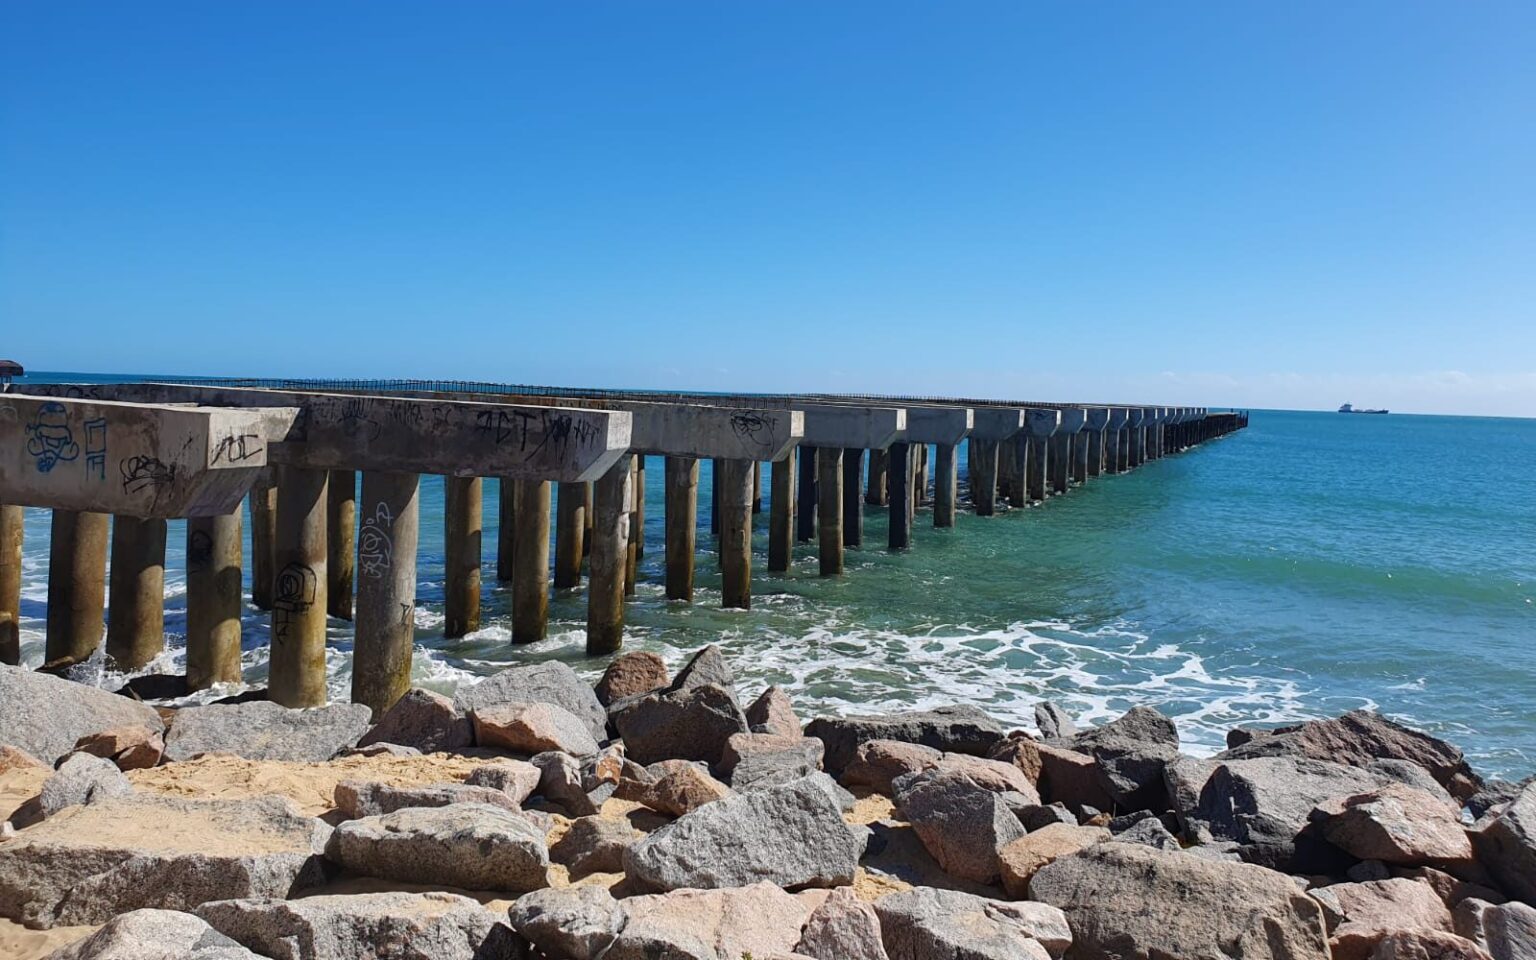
{"type": "Point", "coordinates": [17, 786]}
{"type": "Point", "coordinates": [19, 943]}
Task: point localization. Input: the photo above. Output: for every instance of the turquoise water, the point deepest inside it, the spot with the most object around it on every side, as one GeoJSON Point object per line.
{"type": "Point", "coordinates": [1310, 564]}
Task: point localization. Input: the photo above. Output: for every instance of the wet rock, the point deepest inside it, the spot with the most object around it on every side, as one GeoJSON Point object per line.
{"type": "Point", "coordinates": [472, 846]}
{"type": "Point", "coordinates": [931, 924]}
{"type": "Point", "coordinates": [707, 667]}
{"type": "Point", "coordinates": [155, 686]}
{"type": "Point", "coordinates": [693, 723]}
{"type": "Point", "coordinates": [1396, 824]}
{"type": "Point", "coordinates": [630, 675]}
{"type": "Point", "coordinates": [428, 721]}
{"type": "Point", "coordinates": [1359, 915]}
{"type": "Point", "coordinates": [1427, 945]}
{"type": "Point", "coordinates": [516, 778]}
{"type": "Point", "coordinates": [1506, 845]}
{"type": "Point", "coordinates": [843, 927]}
{"type": "Point", "coordinates": [759, 759]}
{"type": "Point", "coordinates": [1054, 722]}
{"type": "Point", "coordinates": [532, 728]}
{"type": "Point", "coordinates": [1020, 859]}
{"type": "Point", "coordinates": [964, 826]}
{"type": "Point", "coordinates": [263, 730]}
{"type": "Point", "coordinates": [578, 923]}
{"type": "Point", "coordinates": [155, 935]}
{"type": "Point", "coordinates": [952, 729]}
{"type": "Point", "coordinates": [400, 926]}
{"type": "Point", "coordinates": [131, 746]}
{"type": "Point", "coordinates": [594, 845]}
{"type": "Point", "coordinates": [876, 763]}
{"type": "Point", "coordinates": [46, 716]}
{"type": "Point", "coordinates": [792, 835]}
{"type": "Point", "coordinates": [1129, 902]}
{"type": "Point", "coordinates": [759, 920]}
{"type": "Point", "coordinates": [548, 682]}
{"type": "Point", "coordinates": [1507, 931]}
{"type": "Point", "coordinates": [773, 713]}
{"type": "Point", "coordinates": [369, 798]}
{"type": "Point", "coordinates": [1071, 778]}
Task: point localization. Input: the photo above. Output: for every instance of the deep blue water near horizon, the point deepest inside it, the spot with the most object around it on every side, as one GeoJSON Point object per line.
{"type": "Point", "coordinates": [1310, 564]}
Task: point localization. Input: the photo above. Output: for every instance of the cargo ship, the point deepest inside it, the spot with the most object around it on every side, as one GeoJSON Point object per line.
{"type": "Point", "coordinates": [1350, 408]}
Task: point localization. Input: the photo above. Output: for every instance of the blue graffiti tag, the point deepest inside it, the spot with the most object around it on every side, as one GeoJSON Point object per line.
{"type": "Point", "coordinates": [52, 441]}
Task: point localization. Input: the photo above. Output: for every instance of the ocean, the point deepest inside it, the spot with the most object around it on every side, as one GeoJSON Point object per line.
{"type": "Point", "coordinates": [1311, 564]}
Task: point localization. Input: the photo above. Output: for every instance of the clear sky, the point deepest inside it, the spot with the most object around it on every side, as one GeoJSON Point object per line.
{"type": "Point", "coordinates": [1263, 204]}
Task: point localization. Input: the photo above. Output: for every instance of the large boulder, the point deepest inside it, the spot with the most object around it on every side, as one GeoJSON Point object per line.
{"type": "Point", "coordinates": [80, 779]}
{"type": "Point", "coordinates": [673, 787]}
{"type": "Point", "coordinates": [843, 927]}
{"type": "Point", "coordinates": [631, 675]}
{"type": "Point", "coordinates": [579, 923]}
{"type": "Point", "coordinates": [89, 863]}
{"type": "Point", "coordinates": [708, 666]}
{"type": "Point", "coordinates": [548, 682]}
{"type": "Point", "coordinates": [516, 778]}
{"type": "Point", "coordinates": [372, 798]}
{"type": "Point", "coordinates": [693, 723]}
{"type": "Point", "coordinates": [1396, 824]}
{"type": "Point", "coordinates": [155, 935]}
{"type": "Point", "coordinates": [131, 746]}
{"type": "Point", "coordinates": [759, 759]}
{"type": "Point", "coordinates": [263, 730]}
{"type": "Point", "coordinates": [1131, 753]}
{"type": "Point", "coordinates": [1427, 945]}
{"type": "Point", "coordinates": [1054, 722]}
{"type": "Point", "coordinates": [1269, 800]}
{"type": "Point", "coordinates": [931, 924]}
{"type": "Point", "coordinates": [1506, 845]}
{"type": "Point", "coordinates": [532, 728]}
{"type": "Point", "coordinates": [400, 926]}
{"type": "Point", "coordinates": [1507, 931]}
{"type": "Point", "coordinates": [424, 720]}
{"type": "Point", "coordinates": [1360, 915]}
{"type": "Point", "coordinates": [1130, 902]}
{"type": "Point", "coordinates": [595, 845]}
{"type": "Point", "coordinates": [878, 763]}
{"type": "Point", "coordinates": [953, 729]}
{"type": "Point", "coordinates": [963, 825]}
{"type": "Point", "coordinates": [758, 920]}
{"type": "Point", "coordinates": [472, 846]}
{"type": "Point", "coordinates": [773, 713]}
{"type": "Point", "coordinates": [46, 716]}
{"type": "Point", "coordinates": [1072, 779]}
{"type": "Point", "coordinates": [1021, 859]}
{"type": "Point", "coordinates": [792, 835]}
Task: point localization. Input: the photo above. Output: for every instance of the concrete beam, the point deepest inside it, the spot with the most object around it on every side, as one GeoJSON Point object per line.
{"type": "Point", "coordinates": [868, 428]}
{"type": "Point", "coordinates": [1073, 419]}
{"type": "Point", "coordinates": [1042, 423]}
{"type": "Point", "coordinates": [997, 423]}
{"type": "Point", "coordinates": [945, 426]}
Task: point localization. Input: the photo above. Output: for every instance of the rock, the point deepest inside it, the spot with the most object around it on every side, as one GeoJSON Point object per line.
{"type": "Point", "coordinates": [131, 746]}
{"type": "Point", "coordinates": [560, 781]}
{"type": "Point", "coordinates": [708, 666]}
{"type": "Point", "coordinates": [579, 923]}
{"type": "Point", "coordinates": [1451, 890]}
{"type": "Point", "coordinates": [991, 775]}
{"type": "Point", "coordinates": [368, 798]}
{"type": "Point", "coordinates": [1359, 737]}
{"type": "Point", "coordinates": [1427, 945]}
{"type": "Point", "coordinates": [516, 778]}
{"type": "Point", "coordinates": [1496, 793]}
{"type": "Point", "coordinates": [759, 920]}
{"type": "Point", "coordinates": [1071, 778]}
{"type": "Point", "coordinates": [1369, 870]}
{"type": "Point", "coordinates": [792, 835]}
{"type": "Point", "coordinates": [630, 675]}
{"type": "Point", "coordinates": [677, 787]}
{"type": "Point", "coordinates": [758, 759]}
{"type": "Point", "coordinates": [473, 846]}
{"type": "Point", "coordinates": [925, 923]}
{"type": "Point", "coordinates": [1396, 824]}
{"type": "Point", "coordinates": [155, 935]}
{"type": "Point", "coordinates": [400, 926]}
{"type": "Point", "coordinates": [1507, 931]}
{"type": "Point", "coordinates": [89, 863]}
{"type": "Point", "coordinates": [379, 750]}
{"type": "Point", "coordinates": [1269, 800]}
{"type": "Point", "coordinates": [532, 728]}
{"type": "Point", "coordinates": [1185, 779]}
{"type": "Point", "coordinates": [773, 713]}
{"type": "Point", "coordinates": [594, 845]}
{"type": "Point", "coordinates": [964, 826]}
{"type": "Point", "coordinates": [46, 716]}
{"type": "Point", "coordinates": [1360, 914]}
{"type": "Point", "coordinates": [1023, 753]}
{"type": "Point", "coordinates": [1128, 902]}
{"type": "Point", "coordinates": [1020, 859]}
{"type": "Point", "coordinates": [693, 723]}
{"type": "Point", "coordinates": [80, 779]}
{"type": "Point", "coordinates": [263, 730]}
{"type": "Point", "coordinates": [548, 682]}
{"type": "Point", "coordinates": [876, 763]}
{"type": "Point", "coordinates": [1506, 845]}
{"type": "Point", "coordinates": [606, 766]}
{"type": "Point", "coordinates": [954, 729]}
{"type": "Point", "coordinates": [842, 928]}
{"type": "Point", "coordinates": [1054, 722]}
{"type": "Point", "coordinates": [1149, 832]}
{"type": "Point", "coordinates": [1131, 752]}
{"type": "Point", "coordinates": [15, 758]}
{"type": "Point", "coordinates": [1039, 816]}
{"type": "Point", "coordinates": [1410, 775]}
{"type": "Point", "coordinates": [428, 721]}
{"type": "Point", "coordinates": [155, 686]}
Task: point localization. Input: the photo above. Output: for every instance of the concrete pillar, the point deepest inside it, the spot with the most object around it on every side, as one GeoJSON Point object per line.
{"type": "Point", "coordinates": [77, 583]}
{"type": "Point", "coordinates": [341, 542]}
{"type": "Point", "coordinates": [1061, 461]}
{"type": "Point", "coordinates": [386, 588]}
{"type": "Point", "coordinates": [899, 480]}
{"type": "Point", "coordinates": [530, 550]}
{"type": "Point", "coordinates": [920, 487]}
{"type": "Point", "coordinates": [639, 506]}
{"type": "Point", "coordinates": [214, 601]}
{"type": "Point", "coordinates": [875, 494]}
{"type": "Point", "coordinates": [735, 533]}
{"type": "Point", "coordinates": [757, 487]}
{"type": "Point", "coordinates": [587, 518]}
{"type": "Point", "coordinates": [297, 677]}
{"type": "Point", "coordinates": [506, 529]}
{"type": "Point", "coordinates": [263, 538]}
{"type": "Point", "coordinates": [1010, 480]}
{"type": "Point", "coordinates": [781, 513]}
{"type": "Point", "coordinates": [136, 593]}
{"type": "Point", "coordinates": [946, 481]}
{"type": "Point", "coordinates": [1123, 454]}
{"type": "Point", "coordinates": [1039, 465]}
{"type": "Point", "coordinates": [570, 532]}
{"type": "Point", "coordinates": [632, 546]}
{"type": "Point", "coordinates": [611, 502]}
{"type": "Point", "coordinates": [853, 507]}
{"type": "Point", "coordinates": [805, 528]}
{"type": "Point", "coordinates": [461, 555]}
{"type": "Point", "coordinates": [829, 509]}
{"type": "Point", "coordinates": [681, 494]}
{"type": "Point", "coordinates": [981, 470]}
{"type": "Point", "coordinates": [1080, 443]}
{"type": "Point", "coordinates": [12, 531]}
{"type": "Point", "coordinates": [714, 498]}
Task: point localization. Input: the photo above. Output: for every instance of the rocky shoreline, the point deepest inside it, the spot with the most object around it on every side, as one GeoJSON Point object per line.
{"type": "Point", "coordinates": [659, 817]}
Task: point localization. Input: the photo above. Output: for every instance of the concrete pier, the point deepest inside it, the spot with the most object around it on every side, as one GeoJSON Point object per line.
{"type": "Point", "coordinates": [640, 506]}
{"type": "Point", "coordinates": [12, 533]}
{"type": "Point", "coordinates": [297, 667]}
{"type": "Point", "coordinates": [1063, 445]}
{"type": "Point", "coordinates": [611, 500]}
{"type": "Point", "coordinates": [1137, 437]}
{"type": "Point", "coordinates": [136, 593]}
{"type": "Point", "coordinates": [1115, 441]}
{"type": "Point", "coordinates": [805, 522]}
{"type": "Point", "coordinates": [1040, 425]}
{"type": "Point", "coordinates": [263, 500]}
{"type": "Point", "coordinates": [506, 528]}
{"type": "Point", "coordinates": [341, 542]}
{"type": "Point", "coordinates": [632, 546]}
{"type": "Point", "coordinates": [853, 507]}
{"type": "Point", "coordinates": [899, 480]}
{"type": "Point", "coordinates": [920, 484]}
{"type": "Point", "coordinates": [530, 574]}
{"type": "Point", "coordinates": [681, 496]}
{"type": "Point", "coordinates": [981, 467]}
{"type": "Point", "coordinates": [1095, 430]}
{"type": "Point", "coordinates": [735, 533]}
{"type": "Point", "coordinates": [386, 588]}
{"type": "Point", "coordinates": [875, 494]}
{"type": "Point", "coordinates": [462, 514]}
{"type": "Point", "coordinates": [1011, 454]}
{"type": "Point", "coordinates": [570, 533]}
{"type": "Point", "coordinates": [214, 600]}
{"type": "Point", "coordinates": [829, 510]}
{"type": "Point", "coordinates": [946, 483]}
{"type": "Point", "coordinates": [757, 487]}
{"type": "Point", "coordinates": [781, 512]}
{"type": "Point", "coordinates": [77, 583]}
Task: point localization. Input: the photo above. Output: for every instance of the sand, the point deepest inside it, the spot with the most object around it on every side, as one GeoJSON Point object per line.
{"type": "Point", "coordinates": [19, 943]}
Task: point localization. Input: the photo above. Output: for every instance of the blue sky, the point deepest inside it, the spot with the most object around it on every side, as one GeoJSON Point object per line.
{"type": "Point", "coordinates": [1289, 204]}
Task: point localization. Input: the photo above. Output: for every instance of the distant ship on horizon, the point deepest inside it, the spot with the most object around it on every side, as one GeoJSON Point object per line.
{"type": "Point", "coordinates": [1350, 408]}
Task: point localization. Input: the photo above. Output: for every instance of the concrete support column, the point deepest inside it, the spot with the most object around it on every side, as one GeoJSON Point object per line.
{"type": "Point", "coordinates": [1138, 445]}
{"type": "Point", "coordinates": [735, 533]}
{"type": "Point", "coordinates": [681, 493]}
{"type": "Point", "coordinates": [981, 469]}
{"type": "Point", "coordinates": [463, 507]}
{"type": "Point", "coordinates": [1123, 455]}
{"type": "Point", "coordinates": [297, 677]}
{"type": "Point", "coordinates": [386, 588]}
{"type": "Point", "coordinates": [570, 532]}
{"type": "Point", "coordinates": [876, 494]}
{"type": "Point", "coordinates": [1061, 461]}
{"type": "Point", "coordinates": [1095, 453]}
{"type": "Point", "coordinates": [899, 479]}
{"type": "Point", "coordinates": [264, 538]}
{"type": "Point", "coordinates": [639, 506]}
{"type": "Point", "coordinates": [506, 529]}
{"type": "Point", "coordinates": [1010, 480]}
{"type": "Point", "coordinates": [805, 524]}
{"type": "Point", "coordinates": [781, 513]}
{"type": "Point", "coordinates": [612, 500]}
{"type": "Point", "coordinates": [214, 600]}
{"type": "Point", "coordinates": [341, 542]}
{"type": "Point", "coordinates": [829, 509]}
{"type": "Point", "coordinates": [530, 551]}
{"type": "Point", "coordinates": [632, 547]}
{"type": "Point", "coordinates": [853, 507]}
{"type": "Point", "coordinates": [946, 481]}
{"type": "Point", "coordinates": [77, 584]}
{"type": "Point", "coordinates": [1081, 442]}
{"type": "Point", "coordinates": [757, 487]}
{"type": "Point", "coordinates": [136, 593]}
{"type": "Point", "coordinates": [920, 487]}
{"type": "Point", "coordinates": [12, 531]}
{"type": "Point", "coordinates": [587, 517]}
{"type": "Point", "coordinates": [1039, 464]}
{"type": "Point", "coordinates": [714, 498]}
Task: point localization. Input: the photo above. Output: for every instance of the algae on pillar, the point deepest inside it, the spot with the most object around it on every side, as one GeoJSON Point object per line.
{"type": "Point", "coordinates": [136, 593]}
{"type": "Point", "coordinates": [570, 532]}
{"type": "Point", "coordinates": [77, 582]}
{"type": "Point", "coordinates": [388, 534]}
{"type": "Point", "coordinates": [341, 492]}
{"type": "Point", "coordinates": [781, 512]}
{"type": "Point", "coordinates": [735, 533]}
{"type": "Point", "coordinates": [12, 531]}
{"type": "Point", "coordinates": [530, 551]}
{"type": "Point", "coordinates": [214, 602]}
{"type": "Point", "coordinates": [946, 473]}
{"type": "Point", "coordinates": [681, 497]}
{"type": "Point", "coordinates": [461, 555]}
{"type": "Point", "coordinates": [297, 667]}
{"type": "Point", "coordinates": [829, 510]}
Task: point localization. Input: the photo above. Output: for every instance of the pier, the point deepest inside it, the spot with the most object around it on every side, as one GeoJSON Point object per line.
{"type": "Point", "coordinates": [332, 472]}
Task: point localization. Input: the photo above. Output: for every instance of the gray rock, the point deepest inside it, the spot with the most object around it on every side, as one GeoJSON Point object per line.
{"type": "Point", "coordinates": [399, 926]}
{"type": "Point", "coordinates": [1149, 832]}
{"type": "Point", "coordinates": [1131, 753]}
{"type": "Point", "coordinates": [1054, 721]}
{"type": "Point", "coordinates": [1129, 902]}
{"type": "Point", "coordinates": [773, 712]}
{"type": "Point", "coordinates": [759, 920]}
{"type": "Point", "coordinates": [516, 778]}
{"type": "Point", "coordinates": [154, 935]}
{"type": "Point", "coordinates": [1496, 793]}
{"type": "Point", "coordinates": [1268, 800]}
{"type": "Point", "coordinates": [1507, 931]}
{"type": "Point", "coordinates": [1506, 845]}
{"type": "Point", "coordinates": [1037, 816]}
{"type": "Point", "coordinates": [842, 928]}
{"type": "Point", "coordinates": [953, 729]}
{"type": "Point", "coordinates": [692, 723]}
{"type": "Point", "coordinates": [472, 846]}
{"type": "Point", "coordinates": [560, 781]}
{"type": "Point", "coordinates": [81, 779]}
{"type": "Point", "coordinates": [926, 923]}
{"type": "Point", "coordinates": [370, 798]}
{"type": "Point", "coordinates": [760, 759]}
{"type": "Point", "coordinates": [532, 728]}
{"type": "Point", "coordinates": [575, 922]}
{"type": "Point", "coordinates": [791, 835]}
{"type": "Point", "coordinates": [632, 674]}
{"type": "Point", "coordinates": [86, 864]}
{"type": "Point", "coordinates": [548, 682]}
{"type": "Point", "coordinates": [962, 825]}
{"type": "Point", "coordinates": [595, 845]}
{"type": "Point", "coordinates": [379, 750]}
{"type": "Point", "coordinates": [422, 719]}
{"type": "Point", "coordinates": [1409, 774]}
{"type": "Point", "coordinates": [708, 666]}
{"type": "Point", "coordinates": [46, 716]}
{"type": "Point", "coordinates": [262, 730]}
